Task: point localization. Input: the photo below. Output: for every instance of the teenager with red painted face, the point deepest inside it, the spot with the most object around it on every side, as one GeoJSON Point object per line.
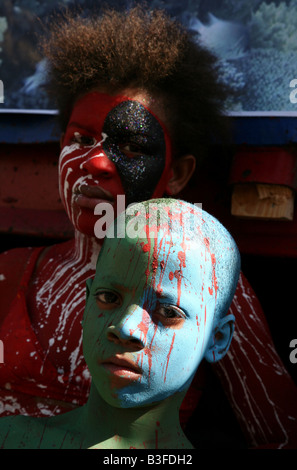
{"type": "Point", "coordinates": [140, 103]}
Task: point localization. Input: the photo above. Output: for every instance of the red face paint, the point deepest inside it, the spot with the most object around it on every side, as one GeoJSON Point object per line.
{"type": "Point", "coordinates": [113, 145]}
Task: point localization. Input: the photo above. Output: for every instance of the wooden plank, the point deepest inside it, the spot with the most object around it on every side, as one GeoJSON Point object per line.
{"type": "Point", "coordinates": [263, 201]}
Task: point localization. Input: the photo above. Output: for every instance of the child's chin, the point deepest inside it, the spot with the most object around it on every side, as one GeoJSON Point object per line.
{"type": "Point", "coordinates": [85, 225]}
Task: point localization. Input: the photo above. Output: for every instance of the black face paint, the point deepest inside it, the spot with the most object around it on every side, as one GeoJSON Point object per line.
{"type": "Point", "coordinates": [129, 122]}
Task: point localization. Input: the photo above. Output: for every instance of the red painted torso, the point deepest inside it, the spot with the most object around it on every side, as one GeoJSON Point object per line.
{"type": "Point", "coordinates": [41, 331]}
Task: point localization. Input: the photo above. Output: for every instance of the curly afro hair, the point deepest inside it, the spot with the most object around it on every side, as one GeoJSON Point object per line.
{"type": "Point", "coordinates": [144, 49]}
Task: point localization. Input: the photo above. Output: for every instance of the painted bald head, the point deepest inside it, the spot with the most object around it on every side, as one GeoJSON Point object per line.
{"type": "Point", "coordinates": [164, 283]}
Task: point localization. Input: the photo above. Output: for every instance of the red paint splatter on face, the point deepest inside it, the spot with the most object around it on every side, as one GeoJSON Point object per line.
{"type": "Point", "coordinates": [163, 266]}
{"type": "Point", "coordinates": [168, 355]}
{"type": "Point", "coordinates": [214, 278]}
{"type": "Point", "coordinates": [182, 257]}
{"type": "Point", "coordinates": [143, 326]}
{"type": "Point", "coordinates": [213, 261]}
{"type": "Point", "coordinates": [198, 325]}
{"type": "Point", "coordinates": [145, 247]}
{"type": "Point", "coordinates": [152, 231]}
{"type": "Point", "coordinates": [139, 360]}
{"type": "Point", "coordinates": [155, 265]}
{"type": "Point", "coordinates": [177, 275]}
{"type": "Point", "coordinates": [148, 351]}
{"type": "Point", "coordinates": [206, 243]}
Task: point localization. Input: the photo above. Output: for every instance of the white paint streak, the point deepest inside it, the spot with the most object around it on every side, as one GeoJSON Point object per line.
{"type": "Point", "coordinates": [64, 291]}
{"type": "Point", "coordinates": [247, 388]}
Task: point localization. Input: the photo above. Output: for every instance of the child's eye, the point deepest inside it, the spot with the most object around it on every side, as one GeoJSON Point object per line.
{"type": "Point", "coordinates": [83, 140]}
{"type": "Point", "coordinates": [132, 150]}
{"type": "Point", "coordinates": [171, 312]}
{"type": "Point", "coordinates": [107, 299]}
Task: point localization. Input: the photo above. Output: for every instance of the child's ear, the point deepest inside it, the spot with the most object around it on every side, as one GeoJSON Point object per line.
{"type": "Point", "coordinates": [181, 172]}
{"type": "Point", "coordinates": [221, 338]}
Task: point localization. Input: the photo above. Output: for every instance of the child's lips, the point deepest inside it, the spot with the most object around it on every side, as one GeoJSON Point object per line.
{"type": "Point", "coordinates": [95, 192]}
{"type": "Point", "coordinates": [122, 365]}
{"type": "Point", "coordinates": [89, 196]}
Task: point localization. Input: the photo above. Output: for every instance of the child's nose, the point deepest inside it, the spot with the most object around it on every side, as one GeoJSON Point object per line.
{"type": "Point", "coordinates": [131, 329]}
{"type": "Point", "coordinates": [98, 164]}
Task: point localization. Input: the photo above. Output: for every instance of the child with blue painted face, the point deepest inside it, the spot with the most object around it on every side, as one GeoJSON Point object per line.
{"type": "Point", "coordinates": [148, 323]}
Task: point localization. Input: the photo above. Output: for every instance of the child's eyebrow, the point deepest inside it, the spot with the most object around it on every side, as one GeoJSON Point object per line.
{"type": "Point", "coordinates": [122, 287]}
{"type": "Point", "coordinates": [111, 282]}
{"type": "Point", "coordinates": [166, 295]}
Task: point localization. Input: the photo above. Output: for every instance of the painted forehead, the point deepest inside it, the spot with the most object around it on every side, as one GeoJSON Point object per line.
{"type": "Point", "coordinates": [193, 236]}
{"type": "Point", "coordinates": [158, 244]}
{"type": "Point", "coordinates": [93, 108]}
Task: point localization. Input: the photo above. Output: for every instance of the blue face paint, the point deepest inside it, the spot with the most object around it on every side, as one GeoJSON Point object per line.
{"type": "Point", "coordinates": [150, 315]}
